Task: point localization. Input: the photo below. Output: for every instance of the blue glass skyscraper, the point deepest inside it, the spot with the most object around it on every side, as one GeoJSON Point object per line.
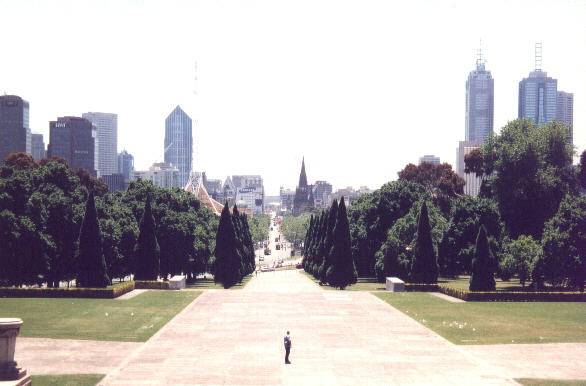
{"type": "Point", "coordinates": [179, 143]}
{"type": "Point", "coordinates": [538, 97]}
{"type": "Point", "coordinates": [479, 103]}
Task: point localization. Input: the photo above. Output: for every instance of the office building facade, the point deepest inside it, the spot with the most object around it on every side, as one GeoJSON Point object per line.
{"type": "Point", "coordinates": [106, 143]}
{"type": "Point", "coordinates": [538, 97]}
{"type": "Point", "coordinates": [479, 103]}
{"type": "Point", "coordinates": [565, 111]}
{"type": "Point", "coordinates": [178, 148]}
{"type": "Point", "coordinates": [38, 147]}
{"type": "Point", "coordinates": [322, 194]}
{"type": "Point", "coordinates": [161, 174]}
{"type": "Point", "coordinates": [250, 190]}
{"type": "Point", "coordinates": [429, 158]}
{"type": "Point", "coordinates": [15, 133]}
{"type": "Point", "coordinates": [126, 165]}
{"type": "Point", "coordinates": [72, 138]}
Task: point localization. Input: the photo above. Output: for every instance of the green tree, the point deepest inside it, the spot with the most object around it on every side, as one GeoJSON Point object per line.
{"type": "Point", "coordinates": [440, 181]}
{"type": "Point", "coordinates": [564, 245]}
{"type": "Point", "coordinates": [328, 241]}
{"type": "Point", "coordinates": [147, 250]}
{"type": "Point", "coordinates": [372, 215]}
{"type": "Point", "coordinates": [395, 256]}
{"type": "Point", "coordinates": [519, 258]}
{"type": "Point", "coordinates": [91, 266]}
{"type": "Point", "coordinates": [424, 268]}
{"type": "Point", "coordinates": [458, 242]}
{"type": "Point", "coordinates": [582, 170]}
{"type": "Point", "coordinates": [528, 170]}
{"type": "Point", "coordinates": [483, 266]}
{"type": "Point", "coordinates": [227, 266]}
{"type": "Point", "coordinates": [342, 272]}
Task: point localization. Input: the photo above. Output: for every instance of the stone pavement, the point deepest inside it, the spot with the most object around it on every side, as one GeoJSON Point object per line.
{"type": "Point", "coordinates": [548, 360]}
{"type": "Point", "coordinates": [339, 338]}
{"type": "Point", "coordinates": [69, 356]}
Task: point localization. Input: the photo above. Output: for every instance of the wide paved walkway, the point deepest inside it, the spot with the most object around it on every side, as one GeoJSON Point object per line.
{"type": "Point", "coordinates": [339, 338]}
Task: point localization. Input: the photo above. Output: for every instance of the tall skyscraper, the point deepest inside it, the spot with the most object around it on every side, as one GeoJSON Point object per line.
{"type": "Point", "coordinates": [38, 147]}
{"type": "Point", "coordinates": [538, 94]}
{"type": "Point", "coordinates": [107, 141]}
{"type": "Point", "coordinates": [479, 120]}
{"type": "Point", "coordinates": [15, 133]}
{"type": "Point", "coordinates": [72, 139]}
{"type": "Point", "coordinates": [126, 165]}
{"type": "Point", "coordinates": [179, 143]}
{"type": "Point", "coordinates": [479, 102]}
{"type": "Point", "coordinates": [565, 111]}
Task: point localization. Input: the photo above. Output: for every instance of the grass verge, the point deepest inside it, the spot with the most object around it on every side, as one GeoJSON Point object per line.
{"type": "Point", "coordinates": [132, 320]}
{"type": "Point", "coordinates": [494, 322]}
{"type": "Point", "coordinates": [67, 380]}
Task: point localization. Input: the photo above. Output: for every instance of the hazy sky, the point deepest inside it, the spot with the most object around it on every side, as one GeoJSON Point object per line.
{"type": "Point", "coordinates": [360, 88]}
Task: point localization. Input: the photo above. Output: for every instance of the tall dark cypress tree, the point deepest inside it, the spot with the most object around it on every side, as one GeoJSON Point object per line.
{"type": "Point", "coordinates": [307, 244]}
{"type": "Point", "coordinates": [91, 266]}
{"type": "Point", "coordinates": [483, 266]}
{"type": "Point", "coordinates": [328, 241]}
{"type": "Point", "coordinates": [227, 267]}
{"type": "Point", "coordinates": [147, 251]}
{"type": "Point", "coordinates": [250, 261]}
{"type": "Point", "coordinates": [238, 231]}
{"type": "Point", "coordinates": [342, 271]}
{"type": "Point", "coordinates": [424, 267]}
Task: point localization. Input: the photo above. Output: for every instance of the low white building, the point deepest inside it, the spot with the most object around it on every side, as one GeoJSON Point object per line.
{"type": "Point", "coordinates": [161, 174]}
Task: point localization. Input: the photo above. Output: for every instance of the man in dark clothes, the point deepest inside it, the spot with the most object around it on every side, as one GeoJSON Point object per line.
{"type": "Point", "coordinates": [287, 341]}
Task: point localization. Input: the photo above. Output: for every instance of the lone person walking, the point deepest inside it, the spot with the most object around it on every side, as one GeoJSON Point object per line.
{"type": "Point", "coordinates": [287, 342]}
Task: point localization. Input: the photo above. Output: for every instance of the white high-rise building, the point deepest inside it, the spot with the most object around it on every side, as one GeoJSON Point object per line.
{"type": "Point", "coordinates": [106, 141]}
{"type": "Point", "coordinates": [472, 187]}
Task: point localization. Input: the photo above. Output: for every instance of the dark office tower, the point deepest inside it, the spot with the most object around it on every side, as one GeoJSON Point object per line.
{"type": "Point", "coordinates": [538, 94]}
{"type": "Point", "coordinates": [126, 165]}
{"type": "Point", "coordinates": [479, 103]}
{"type": "Point", "coordinates": [72, 138]}
{"type": "Point", "coordinates": [38, 147]}
{"type": "Point", "coordinates": [565, 111]}
{"type": "Point", "coordinates": [15, 134]}
{"type": "Point", "coordinates": [179, 143]}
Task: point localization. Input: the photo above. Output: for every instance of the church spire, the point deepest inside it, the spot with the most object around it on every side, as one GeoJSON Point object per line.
{"type": "Point", "coordinates": [302, 175]}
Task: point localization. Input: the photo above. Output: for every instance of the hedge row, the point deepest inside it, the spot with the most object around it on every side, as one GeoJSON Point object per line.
{"type": "Point", "coordinates": [512, 296]}
{"type": "Point", "coordinates": [421, 287]}
{"type": "Point", "coordinates": [151, 284]}
{"type": "Point", "coordinates": [109, 292]}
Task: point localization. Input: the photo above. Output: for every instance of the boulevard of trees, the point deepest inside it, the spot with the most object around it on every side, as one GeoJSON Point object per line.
{"type": "Point", "coordinates": [529, 220]}
{"type": "Point", "coordinates": [53, 231]}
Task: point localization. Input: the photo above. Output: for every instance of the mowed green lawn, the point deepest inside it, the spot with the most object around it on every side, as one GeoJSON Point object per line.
{"type": "Point", "coordinates": [67, 380]}
{"type": "Point", "coordinates": [132, 320]}
{"type": "Point", "coordinates": [494, 322]}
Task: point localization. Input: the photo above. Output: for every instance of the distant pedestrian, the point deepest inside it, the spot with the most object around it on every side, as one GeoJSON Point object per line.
{"type": "Point", "coordinates": [287, 342]}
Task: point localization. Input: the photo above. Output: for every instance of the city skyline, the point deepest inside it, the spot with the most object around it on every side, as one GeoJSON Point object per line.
{"type": "Point", "coordinates": [314, 88]}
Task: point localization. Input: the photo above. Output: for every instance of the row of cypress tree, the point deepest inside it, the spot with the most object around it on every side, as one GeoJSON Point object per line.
{"type": "Point", "coordinates": [234, 254]}
{"type": "Point", "coordinates": [327, 253]}
{"type": "Point", "coordinates": [91, 266]}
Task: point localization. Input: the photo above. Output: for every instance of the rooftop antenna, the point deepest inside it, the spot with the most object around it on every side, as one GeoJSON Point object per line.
{"type": "Point", "coordinates": [479, 58]}
{"type": "Point", "coordinates": [538, 49]}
